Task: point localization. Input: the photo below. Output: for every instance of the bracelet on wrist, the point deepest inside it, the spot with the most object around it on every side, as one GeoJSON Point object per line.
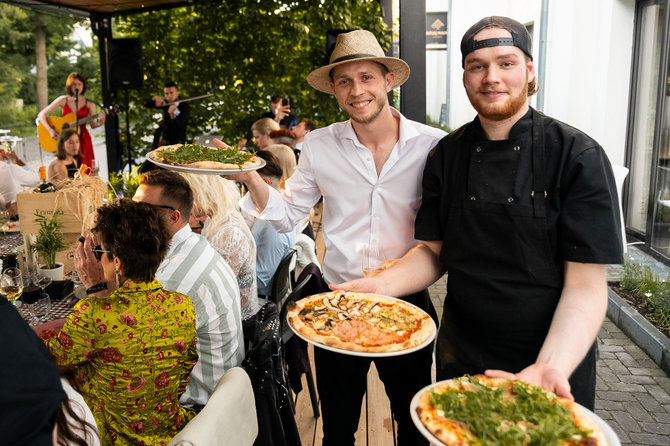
{"type": "Point", "coordinates": [95, 288]}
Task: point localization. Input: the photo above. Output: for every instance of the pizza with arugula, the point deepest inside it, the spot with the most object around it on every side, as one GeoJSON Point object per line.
{"type": "Point", "coordinates": [478, 410]}
{"type": "Point", "coordinates": [203, 157]}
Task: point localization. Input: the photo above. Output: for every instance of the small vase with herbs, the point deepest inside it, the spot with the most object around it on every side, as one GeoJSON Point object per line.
{"type": "Point", "coordinates": [48, 242]}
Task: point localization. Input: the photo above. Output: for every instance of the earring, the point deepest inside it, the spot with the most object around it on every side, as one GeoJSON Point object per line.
{"type": "Point", "coordinates": [117, 274]}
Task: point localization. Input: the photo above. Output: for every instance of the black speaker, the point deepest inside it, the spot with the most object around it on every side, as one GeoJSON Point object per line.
{"type": "Point", "coordinates": [124, 65]}
{"type": "Point", "coordinates": [331, 39]}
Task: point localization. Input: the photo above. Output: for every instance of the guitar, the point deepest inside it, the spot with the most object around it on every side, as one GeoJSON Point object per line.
{"type": "Point", "coordinates": [58, 124]}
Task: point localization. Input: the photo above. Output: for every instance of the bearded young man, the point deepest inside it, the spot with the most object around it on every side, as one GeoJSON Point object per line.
{"type": "Point", "coordinates": [368, 170]}
{"type": "Point", "coordinates": [522, 211]}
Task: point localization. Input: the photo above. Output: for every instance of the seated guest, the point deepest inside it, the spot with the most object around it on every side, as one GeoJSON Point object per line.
{"type": "Point", "coordinates": [271, 246]}
{"type": "Point", "coordinates": [286, 159]}
{"type": "Point", "coordinates": [14, 176]}
{"type": "Point", "coordinates": [305, 126]}
{"type": "Point", "coordinates": [65, 164]}
{"type": "Point", "coordinates": [283, 136]}
{"type": "Point", "coordinates": [215, 216]}
{"type": "Point", "coordinates": [261, 131]}
{"type": "Point", "coordinates": [194, 268]}
{"type": "Point", "coordinates": [131, 344]}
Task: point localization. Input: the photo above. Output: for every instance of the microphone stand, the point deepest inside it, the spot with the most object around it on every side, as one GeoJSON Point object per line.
{"type": "Point", "coordinates": [130, 158]}
{"type": "Point", "coordinates": [76, 110]}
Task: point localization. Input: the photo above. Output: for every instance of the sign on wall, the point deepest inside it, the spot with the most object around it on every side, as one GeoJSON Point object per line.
{"type": "Point", "coordinates": [436, 30]}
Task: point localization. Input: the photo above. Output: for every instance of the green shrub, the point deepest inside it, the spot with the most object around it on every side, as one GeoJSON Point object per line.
{"type": "Point", "coordinates": [649, 290]}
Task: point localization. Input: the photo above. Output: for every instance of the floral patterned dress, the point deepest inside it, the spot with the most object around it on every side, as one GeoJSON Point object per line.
{"type": "Point", "coordinates": [132, 353]}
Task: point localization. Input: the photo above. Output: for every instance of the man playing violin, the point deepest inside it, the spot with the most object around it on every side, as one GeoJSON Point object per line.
{"type": "Point", "coordinates": [175, 117]}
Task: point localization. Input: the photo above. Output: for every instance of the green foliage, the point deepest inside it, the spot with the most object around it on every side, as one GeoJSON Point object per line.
{"type": "Point", "coordinates": [649, 290]}
{"type": "Point", "coordinates": [49, 238]}
{"type": "Point", "coordinates": [243, 51]}
{"type": "Point", "coordinates": [122, 185]}
{"type": "Point", "coordinates": [17, 64]}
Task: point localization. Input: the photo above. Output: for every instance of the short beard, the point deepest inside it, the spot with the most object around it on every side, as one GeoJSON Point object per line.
{"type": "Point", "coordinates": [500, 112]}
{"type": "Point", "coordinates": [371, 117]}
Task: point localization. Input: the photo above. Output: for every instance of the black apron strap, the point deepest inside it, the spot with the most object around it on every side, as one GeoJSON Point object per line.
{"type": "Point", "coordinates": [539, 192]}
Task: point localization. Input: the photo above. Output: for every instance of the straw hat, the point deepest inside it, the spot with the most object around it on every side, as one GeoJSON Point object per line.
{"type": "Point", "coordinates": [354, 46]}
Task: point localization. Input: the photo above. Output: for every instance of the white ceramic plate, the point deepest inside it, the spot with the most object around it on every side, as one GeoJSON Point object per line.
{"type": "Point", "coordinates": [610, 435]}
{"type": "Point", "coordinates": [425, 343]}
{"type": "Point", "coordinates": [204, 171]}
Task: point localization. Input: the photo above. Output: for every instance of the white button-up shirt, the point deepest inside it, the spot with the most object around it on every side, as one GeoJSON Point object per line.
{"type": "Point", "coordinates": [360, 208]}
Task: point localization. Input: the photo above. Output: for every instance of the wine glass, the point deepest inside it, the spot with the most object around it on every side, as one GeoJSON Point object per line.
{"type": "Point", "coordinates": [373, 260]}
{"type": "Point", "coordinates": [11, 285]}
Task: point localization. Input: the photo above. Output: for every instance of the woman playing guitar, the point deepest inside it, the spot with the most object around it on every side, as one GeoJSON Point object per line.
{"type": "Point", "coordinates": [75, 86]}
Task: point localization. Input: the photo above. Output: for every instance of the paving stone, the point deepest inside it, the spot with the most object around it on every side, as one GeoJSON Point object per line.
{"type": "Point", "coordinates": [661, 417]}
{"type": "Point", "coordinates": [610, 348]}
{"type": "Point", "coordinates": [626, 421]}
{"type": "Point", "coordinates": [647, 371]}
{"type": "Point", "coordinates": [659, 393]}
{"type": "Point", "coordinates": [607, 374]}
{"type": "Point", "coordinates": [649, 402]}
{"type": "Point", "coordinates": [607, 355]}
{"type": "Point", "coordinates": [656, 428]}
{"type": "Point", "coordinates": [617, 367]}
{"type": "Point", "coordinates": [621, 433]}
{"type": "Point", "coordinates": [617, 396]}
{"type": "Point", "coordinates": [601, 385]}
{"type": "Point", "coordinates": [604, 414]}
{"type": "Point", "coordinates": [664, 382]}
{"type": "Point", "coordinates": [653, 439]}
{"type": "Point", "coordinates": [635, 351]}
{"type": "Point", "coordinates": [619, 342]}
{"type": "Point", "coordinates": [640, 413]}
{"type": "Point", "coordinates": [608, 405]}
{"type": "Point", "coordinates": [637, 379]}
{"type": "Point", "coordinates": [624, 387]}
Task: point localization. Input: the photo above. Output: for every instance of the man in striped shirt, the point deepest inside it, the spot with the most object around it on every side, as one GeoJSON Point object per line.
{"type": "Point", "coordinates": [192, 267]}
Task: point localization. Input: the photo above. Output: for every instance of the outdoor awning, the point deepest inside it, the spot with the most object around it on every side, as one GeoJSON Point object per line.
{"type": "Point", "coordinates": [98, 8]}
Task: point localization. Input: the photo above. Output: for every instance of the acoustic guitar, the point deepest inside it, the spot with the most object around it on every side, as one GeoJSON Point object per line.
{"type": "Point", "coordinates": [58, 124]}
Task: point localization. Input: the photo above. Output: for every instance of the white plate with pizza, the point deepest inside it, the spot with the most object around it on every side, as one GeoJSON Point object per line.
{"type": "Point", "coordinates": [361, 324]}
{"type": "Point", "coordinates": [196, 158]}
{"type": "Point", "coordinates": [481, 410]}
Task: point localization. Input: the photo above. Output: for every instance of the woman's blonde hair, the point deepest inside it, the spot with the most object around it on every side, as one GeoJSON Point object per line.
{"type": "Point", "coordinates": [213, 196]}
{"type": "Point", "coordinates": [265, 125]}
{"type": "Point", "coordinates": [286, 158]}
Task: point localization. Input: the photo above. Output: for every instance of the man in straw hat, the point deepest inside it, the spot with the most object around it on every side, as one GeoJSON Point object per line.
{"type": "Point", "coordinates": [522, 210]}
{"type": "Point", "coordinates": [368, 170]}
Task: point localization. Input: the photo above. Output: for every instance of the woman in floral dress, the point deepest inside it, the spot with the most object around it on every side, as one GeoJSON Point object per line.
{"type": "Point", "coordinates": [131, 346]}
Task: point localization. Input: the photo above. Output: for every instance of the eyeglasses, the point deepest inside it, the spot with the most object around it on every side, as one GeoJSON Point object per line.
{"type": "Point", "coordinates": [98, 251]}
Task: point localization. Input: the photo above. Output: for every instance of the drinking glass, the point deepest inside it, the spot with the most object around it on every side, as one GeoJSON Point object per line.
{"type": "Point", "coordinates": [373, 260]}
{"type": "Point", "coordinates": [4, 222]}
{"type": "Point", "coordinates": [11, 285]}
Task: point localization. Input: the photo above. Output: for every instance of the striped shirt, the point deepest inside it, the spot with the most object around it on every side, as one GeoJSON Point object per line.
{"type": "Point", "coordinates": [192, 267]}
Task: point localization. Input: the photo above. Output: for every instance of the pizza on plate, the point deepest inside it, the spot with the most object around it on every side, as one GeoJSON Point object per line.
{"type": "Point", "coordinates": [204, 157]}
{"type": "Point", "coordinates": [477, 410]}
{"type": "Point", "coordinates": [360, 322]}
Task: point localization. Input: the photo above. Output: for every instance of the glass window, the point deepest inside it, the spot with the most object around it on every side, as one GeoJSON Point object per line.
{"type": "Point", "coordinates": [644, 110]}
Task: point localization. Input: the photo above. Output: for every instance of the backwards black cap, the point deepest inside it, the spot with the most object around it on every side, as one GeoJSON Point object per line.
{"type": "Point", "coordinates": [520, 36]}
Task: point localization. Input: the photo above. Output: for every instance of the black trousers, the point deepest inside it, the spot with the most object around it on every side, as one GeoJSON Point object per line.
{"type": "Point", "coordinates": [342, 381]}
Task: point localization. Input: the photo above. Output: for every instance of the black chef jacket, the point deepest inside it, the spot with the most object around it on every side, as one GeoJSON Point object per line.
{"type": "Point", "coordinates": [508, 214]}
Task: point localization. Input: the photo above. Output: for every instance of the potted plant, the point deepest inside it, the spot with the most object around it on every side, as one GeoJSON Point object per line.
{"type": "Point", "coordinates": [48, 242]}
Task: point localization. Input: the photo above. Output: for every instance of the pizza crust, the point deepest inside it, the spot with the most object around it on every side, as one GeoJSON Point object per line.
{"type": "Point", "coordinates": [426, 326]}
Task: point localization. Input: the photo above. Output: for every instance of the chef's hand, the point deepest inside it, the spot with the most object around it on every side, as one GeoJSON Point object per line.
{"type": "Point", "coordinates": [547, 377]}
{"type": "Point", "coordinates": [88, 268]}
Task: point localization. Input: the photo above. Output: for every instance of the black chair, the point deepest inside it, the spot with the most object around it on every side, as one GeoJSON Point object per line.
{"type": "Point", "coordinates": [285, 290]}
{"type": "Point", "coordinates": [283, 279]}
{"type": "Point", "coordinates": [265, 364]}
